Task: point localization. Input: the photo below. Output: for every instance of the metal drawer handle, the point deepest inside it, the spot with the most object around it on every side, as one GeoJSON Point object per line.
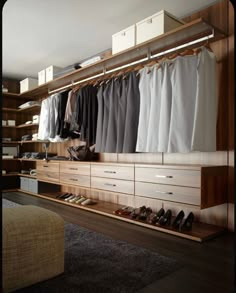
{"type": "Point", "coordinates": [111, 172]}
{"type": "Point", "coordinates": [73, 168]}
{"type": "Point", "coordinates": [73, 179]}
{"type": "Point", "coordinates": [45, 166]}
{"type": "Point", "coordinates": [109, 184]}
{"type": "Point", "coordinates": [163, 176]}
{"type": "Point", "coordinates": [164, 192]}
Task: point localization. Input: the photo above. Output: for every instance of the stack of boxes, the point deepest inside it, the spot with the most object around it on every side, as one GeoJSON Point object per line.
{"type": "Point", "coordinates": [144, 30]}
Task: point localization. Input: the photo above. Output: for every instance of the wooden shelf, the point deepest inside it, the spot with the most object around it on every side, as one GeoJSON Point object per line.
{"type": "Point", "coordinates": [32, 141]}
{"type": "Point", "coordinates": [183, 34]}
{"type": "Point", "coordinates": [9, 175]}
{"type": "Point", "coordinates": [26, 175]}
{"type": "Point", "coordinates": [9, 142]}
{"type": "Point", "coordinates": [14, 95]}
{"type": "Point", "coordinates": [8, 126]}
{"type": "Point", "coordinates": [199, 233]}
{"type": "Point", "coordinates": [27, 109]}
{"type": "Point", "coordinates": [27, 125]}
{"type": "Point", "coordinates": [10, 159]}
{"type": "Point", "coordinates": [9, 110]}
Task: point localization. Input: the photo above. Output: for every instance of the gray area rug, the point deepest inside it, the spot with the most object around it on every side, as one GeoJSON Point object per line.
{"type": "Point", "coordinates": [97, 263]}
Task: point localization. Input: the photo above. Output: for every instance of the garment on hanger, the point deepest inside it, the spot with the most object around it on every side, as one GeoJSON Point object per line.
{"type": "Point", "coordinates": [114, 97]}
{"type": "Point", "coordinates": [44, 122]}
{"type": "Point", "coordinates": [145, 104]}
{"type": "Point", "coordinates": [205, 115]}
{"type": "Point", "coordinates": [98, 146]}
{"type": "Point", "coordinates": [132, 113]}
{"type": "Point", "coordinates": [106, 101]}
{"type": "Point", "coordinates": [184, 86]}
{"type": "Point", "coordinates": [155, 110]}
{"type": "Point", "coordinates": [53, 114]}
{"type": "Point", "coordinates": [62, 129]}
{"type": "Point", "coordinates": [122, 105]}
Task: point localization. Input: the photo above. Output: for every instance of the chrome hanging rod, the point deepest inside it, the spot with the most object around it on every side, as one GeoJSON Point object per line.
{"type": "Point", "coordinates": [134, 62]}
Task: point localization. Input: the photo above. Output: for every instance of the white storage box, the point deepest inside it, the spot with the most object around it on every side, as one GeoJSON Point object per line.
{"type": "Point", "coordinates": [27, 84]}
{"type": "Point", "coordinates": [156, 25]}
{"type": "Point", "coordinates": [11, 122]}
{"type": "Point", "coordinates": [41, 77]}
{"type": "Point", "coordinates": [50, 72]}
{"type": "Point", "coordinates": [36, 119]}
{"type": "Point", "coordinates": [4, 122]}
{"type": "Point", "coordinates": [124, 39]}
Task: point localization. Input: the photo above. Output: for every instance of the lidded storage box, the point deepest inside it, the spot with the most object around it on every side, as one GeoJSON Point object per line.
{"type": "Point", "coordinates": [41, 77]}
{"type": "Point", "coordinates": [123, 39]}
{"type": "Point", "coordinates": [50, 72]}
{"type": "Point", "coordinates": [27, 84]}
{"type": "Point", "coordinates": [155, 25]}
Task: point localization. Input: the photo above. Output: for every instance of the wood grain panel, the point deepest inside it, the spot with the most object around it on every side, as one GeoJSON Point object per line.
{"type": "Point", "coordinates": [75, 168]}
{"type": "Point", "coordinates": [168, 176]}
{"type": "Point", "coordinates": [202, 158]}
{"type": "Point", "coordinates": [214, 186]}
{"type": "Point", "coordinates": [141, 158]}
{"type": "Point", "coordinates": [112, 171]}
{"type": "Point", "coordinates": [168, 192]}
{"type": "Point", "coordinates": [47, 176]}
{"type": "Point", "coordinates": [48, 167]}
{"type": "Point", "coordinates": [115, 185]}
{"type": "Point", "coordinates": [75, 179]}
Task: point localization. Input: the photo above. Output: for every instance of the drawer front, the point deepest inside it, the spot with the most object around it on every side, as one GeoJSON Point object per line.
{"type": "Point", "coordinates": [75, 168]}
{"type": "Point", "coordinates": [168, 192]}
{"type": "Point", "coordinates": [169, 176]}
{"type": "Point", "coordinates": [48, 176]}
{"type": "Point", "coordinates": [116, 172]}
{"type": "Point", "coordinates": [75, 179]}
{"type": "Point", "coordinates": [115, 185]}
{"type": "Point", "coordinates": [48, 167]}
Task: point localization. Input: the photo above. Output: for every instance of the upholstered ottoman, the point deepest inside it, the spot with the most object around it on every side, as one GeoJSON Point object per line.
{"type": "Point", "coordinates": [33, 246]}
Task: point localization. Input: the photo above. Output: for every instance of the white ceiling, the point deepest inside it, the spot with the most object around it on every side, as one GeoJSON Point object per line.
{"type": "Point", "coordinates": [37, 34]}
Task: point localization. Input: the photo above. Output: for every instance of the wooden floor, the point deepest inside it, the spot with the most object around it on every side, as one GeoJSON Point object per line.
{"type": "Point", "coordinates": [207, 267]}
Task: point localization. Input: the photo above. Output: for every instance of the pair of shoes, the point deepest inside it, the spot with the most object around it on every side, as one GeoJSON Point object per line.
{"type": "Point", "coordinates": [121, 210]}
{"type": "Point", "coordinates": [154, 217]}
{"type": "Point", "coordinates": [88, 201]}
{"type": "Point", "coordinates": [144, 213]}
{"type": "Point", "coordinates": [137, 211]}
{"type": "Point", "coordinates": [165, 220]}
{"type": "Point", "coordinates": [70, 197]}
{"type": "Point", "coordinates": [178, 220]}
{"type": "Point", "coordinates": [187, 223]}
{"type": "Point", "coordinates": [63, 195]}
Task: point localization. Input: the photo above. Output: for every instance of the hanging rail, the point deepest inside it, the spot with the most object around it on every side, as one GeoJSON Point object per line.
{"type": "Point", "coordinates": [135, 62]}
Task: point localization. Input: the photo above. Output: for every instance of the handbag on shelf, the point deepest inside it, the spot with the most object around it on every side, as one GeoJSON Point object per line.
{"type": "Point", "coordinates": [81, 153]}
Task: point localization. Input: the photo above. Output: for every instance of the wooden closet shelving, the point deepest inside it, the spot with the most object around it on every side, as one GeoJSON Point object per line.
{"type": "Point", "coordinates": [27, 125]}
{"type": "Point", "coordinates": [183, 34]}
{"type": "Point", "coordinates": [186, 33]}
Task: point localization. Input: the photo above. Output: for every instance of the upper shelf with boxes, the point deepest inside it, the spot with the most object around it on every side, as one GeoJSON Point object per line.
{"type": "Point", "coordinates": [138, 43]}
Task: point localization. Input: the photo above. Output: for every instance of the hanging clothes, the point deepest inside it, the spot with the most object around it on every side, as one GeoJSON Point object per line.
{"type": "Point", "coordinates": [132, 113]}
{"type": "Point", "coordinates": [205, 115]}
{"type": "Point", "coordinates": [155, 110]}
{"type": "Point", "coordinates": [122, 106]}
{"type": "Point", "coordinates": [184, 86]}
{"type": "Point", "coordinates": [44, 121]}
{"type": "Point", "coordinates": [145, 104]}
{"type": "Point", "coordinates": [100, 115]}
{"type": "Point", "coordinates": [114, 97]}
{"type": "Point", "coordinates": [106, 101]}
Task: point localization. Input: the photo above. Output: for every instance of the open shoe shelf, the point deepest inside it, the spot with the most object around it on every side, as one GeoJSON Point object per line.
{"type": "Point", "coordinates": [200, 231]}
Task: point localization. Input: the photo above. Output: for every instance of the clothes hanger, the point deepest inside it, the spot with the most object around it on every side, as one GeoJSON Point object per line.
{"type": "Point", "coordinates": [187, 52]}
{"type": "Point", "coordinates": [150, 64]}
{"type": "Point", "coordinates": [138, 68]}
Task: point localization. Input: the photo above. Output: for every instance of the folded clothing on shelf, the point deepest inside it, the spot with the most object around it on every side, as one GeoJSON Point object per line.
{"type": "Point", "coordinates": [30, 103]}
{"type": "Point", "coordinates": [59, 158]}
{"type": "Point", "coordinates": [26, 137]}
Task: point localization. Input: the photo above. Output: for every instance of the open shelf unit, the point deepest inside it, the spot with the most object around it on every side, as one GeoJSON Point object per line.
{"type": "Point", "coordinates": [199, 233]}
{"type": "Point", "coordinates": [186, 33]}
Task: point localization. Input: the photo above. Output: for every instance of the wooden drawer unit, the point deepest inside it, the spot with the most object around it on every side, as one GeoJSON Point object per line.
{"type": "Point", "coordinates": [75, 168]}
{"type": "Point", "coordinates": [203, 186]}
{"type": "Point", "coordinates": [75, 179]}
{"type": "Point", "coordinates": [48, 171]}
{"type": "Point", "coordinates": [116, 185]}
{"type": "Point", "coordinates": [181, 194]}
{"type": "Point", "coordinates": [115, 171]}
{"type": "Point", "coordinates": [191, 178]}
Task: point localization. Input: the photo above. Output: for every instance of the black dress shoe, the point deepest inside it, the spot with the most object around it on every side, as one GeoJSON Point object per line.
{"type": "Point", "coordinates": [165, 220]}
{"type": "Point", "coordinates": [178, 220]}
{"type": "Point", "coordinates": [144, 213]}
{"type": "Point", "coordinates": [63, 195]}
{"type": "Point", "coordinates": [136, 212]}
{"type": "Point", "coordinates": [154, 217]}
{"type": "Point", "coordinates": [187, 224]}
